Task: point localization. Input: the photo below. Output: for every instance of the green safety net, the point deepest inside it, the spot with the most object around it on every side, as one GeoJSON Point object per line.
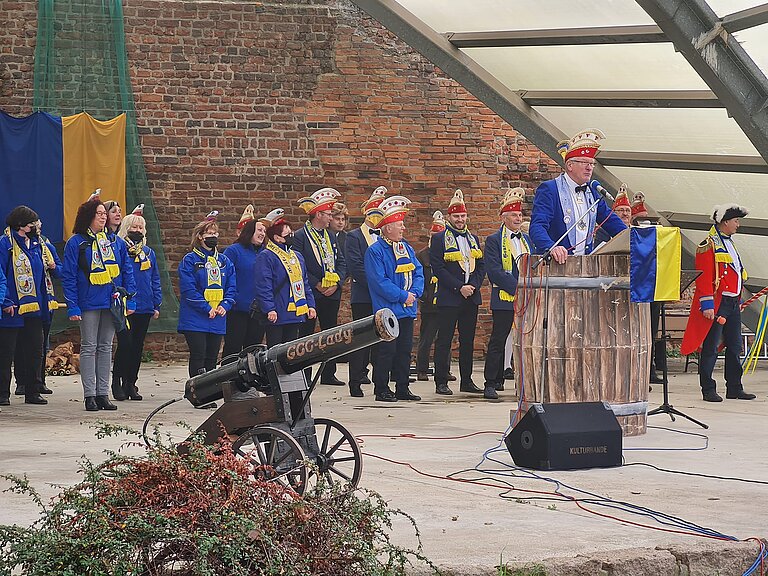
{"type": "Point", "coordinates": [81, 66]}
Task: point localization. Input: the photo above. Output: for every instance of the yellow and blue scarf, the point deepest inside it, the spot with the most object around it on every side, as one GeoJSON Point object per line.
{"type": "Point", "coordinates": [452, 251]}
{"type": "Point", "coordinates": [139, 256]}
{"type": "Point", "coordinates": [290, 262]}
{"type": "Point", "coordinates": [103, 264]}
{"type": "Point", "coordinates": [47, 260]}
{"type": "Point", "coordinates": [23, 277]}
{"type": "Point", "coordinates": [403, 263]}
{"type": "Point", "coordinates": [323, 249]}
{"type": "Point", "coordinates": [508, 257]}
{"type": "Point", "coordinates": [722, 255]}
{"type": "Point", "coordinates": [214, 291]}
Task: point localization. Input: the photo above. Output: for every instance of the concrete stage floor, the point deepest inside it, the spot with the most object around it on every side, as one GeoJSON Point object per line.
{"type": "Point", "coordinates": [470, 528]}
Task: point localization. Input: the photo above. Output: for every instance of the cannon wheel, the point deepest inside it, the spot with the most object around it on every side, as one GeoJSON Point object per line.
{"type": "Point", "coordinates": [339, 458]}
{"type": "Point", "coordinates": [274, 456]}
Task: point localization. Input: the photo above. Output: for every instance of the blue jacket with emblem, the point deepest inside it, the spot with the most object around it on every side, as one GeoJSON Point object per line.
{"type": "Point", "coordinates": [273, 290]}
{"type": "Point", "coordinates": [79, 293]}
{"type": "Point", "coordinates": [149, 294]}
{"type": "Point", "coordinates": [499, 278]}
{"type": "Point", "coordinates": [193, 279]}
{"type": "Point", "coordinates": [450, 275]}
{"type": "Point", "coordinates": [548, 221]}
{"type": "Point", "coordinates": [34, 253]}
{"type": "Point", "coordinates": [243, 258]}
{"type": "Point", "coordinates": [387, 287]}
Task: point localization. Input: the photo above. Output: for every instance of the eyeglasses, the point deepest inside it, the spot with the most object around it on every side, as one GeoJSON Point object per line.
{"type": "Point", "coordinates": [585, 162]}
{"type": "Point", "coordinates": [101, 212]}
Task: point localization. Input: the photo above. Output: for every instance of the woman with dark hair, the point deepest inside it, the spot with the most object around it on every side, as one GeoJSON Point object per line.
{"type": "Point", "coordinates": [283, 291]}
{"type": "Point", "coordinates": [243, 330]}
{"type": "Point", "coordinates": [148, 298]}
{"type": "Point", "coordinates": [208, 287]}
{"type": "Point", "coordinates": [25, 302]}
{"type": "Point", "coordinates": [94, 268]}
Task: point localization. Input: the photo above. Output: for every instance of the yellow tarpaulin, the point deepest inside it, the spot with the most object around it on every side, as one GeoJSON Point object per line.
{"type": "Point", "coordinates": [94, 157]}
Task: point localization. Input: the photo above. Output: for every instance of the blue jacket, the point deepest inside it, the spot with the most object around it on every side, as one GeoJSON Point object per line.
{"type": "Point", "coordinates": [385, 286]}
{"type": "Point", "coordinates": [244, 260]}
{"type": "Point", "coordinates": [356, 247]}
{"type": "Point", "coordinates": [548, 221]}
{"type": "Point", "coordinates": [149, 294]}
{"type": "Point", "coordinates": [34, 253]}
{"type": "Point", "coordinates": [302, 243]}
{"type": "Point", "coordinates": [193, 308]}
{"type": "Point", "coordinates": [273, 291]}
{"type": "Point", "coordinates": [499, 278]}
{"type": "Point", "coordinates": [450, 275]}
{"type": "Point", "coordinates": [79, 293]}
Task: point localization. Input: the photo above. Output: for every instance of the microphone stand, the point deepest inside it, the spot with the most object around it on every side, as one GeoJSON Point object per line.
{"type": "Point", "coordinates": [546, 257]}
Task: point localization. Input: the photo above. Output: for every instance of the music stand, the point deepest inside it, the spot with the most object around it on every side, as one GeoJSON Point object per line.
{"type": "Point", "coordinates": [686, 278]}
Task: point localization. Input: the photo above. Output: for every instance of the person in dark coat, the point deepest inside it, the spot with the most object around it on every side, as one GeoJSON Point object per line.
{"type": "Point", "coordinates": [427, 308]}
{"type": "Point", "coordinates": [325, 264]}
{"type": "Point", "coordinates": [457, 263]}
{"type": "Point", "coordinates": [357, 243]}
{"type": "Point", "coordinates": [502, 249]}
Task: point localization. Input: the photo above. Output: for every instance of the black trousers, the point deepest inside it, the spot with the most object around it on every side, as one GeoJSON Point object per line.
{"type": "Point", "coordinates": [130, 346]}
{"type": "Point", "coordinates": [281, 333]}
{"type": "Point", "coordinates": [730, 334]}
{"type": "Point", "coordinates": [203, 351]}
{"type": "Point", "coordinates": [393, 360]}
{"type": "Point", "coordinates": [17, 359]}
{"type": "Point", "coordinates": [495, 355]}
{"type": "Point", "coordinates": [328, 316]}
{"type": "Point", "coordinates": [242, 332]}
{"type": "Point", "coordinates": [358, 361]}
{"type": "Point", "coordinates": [24, 347]}
{"type": "Point", "coordinates": [465, 316]}
{"type": "Point", "coordinates": [427, 335]}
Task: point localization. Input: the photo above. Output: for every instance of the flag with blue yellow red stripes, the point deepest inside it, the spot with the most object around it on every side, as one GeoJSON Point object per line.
{"type": "Point", "coordinates": [654, 263]}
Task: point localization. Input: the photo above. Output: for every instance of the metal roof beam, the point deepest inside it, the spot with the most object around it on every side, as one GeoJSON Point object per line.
{"type": "Point", "coordinates": [686, 221]}
{"type": "Point", "coordinates": [673, 161]}
{"type": "Point", "coordinates": [744, 19]}
{"type": "Point", "coordinates": [557, 36]}
{"type": "Point", "coordinates": [622, 98]}
{"type": "Point", "coordinates": [720, 60]}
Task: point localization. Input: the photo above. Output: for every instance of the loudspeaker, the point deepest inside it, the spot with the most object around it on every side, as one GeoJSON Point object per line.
{"type": "Point", "coordinates": [566, 436]}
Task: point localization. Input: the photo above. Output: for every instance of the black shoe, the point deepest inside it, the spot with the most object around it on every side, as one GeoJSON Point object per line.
{"type": "Point", "coordinates": [509, 374]}
{"type": "Point", "coordinates": [104, 404]}
{"type": "Point", "coordinates": [422, 376]}
{"type": "Point", "coordinates": [490, 393]}
{"type": "Point", "coordinates": [451, 377]}
{"type": "Point", "coordinates": [407, 395]}
{"type": "Point", "coordinates": [499, 387]}
{"type": "Point", "coordinates": [19, 390]}
{"type": "Point", "coordinates": [45, 390]}
{"type": "Point", "coordinates": [333, 382]}
{"type": "Point", "coordinates": [35, 399]}
{"type": "Point", "coordinates": [654, 379]}
{"type": "Point", "coordinates": [118, 392]}
{"type": "Point", "coordinates": [355, 391]}
{"type": "Point", "coordinates": [131, 392]}
{"type": "Point", "coordinates": [470, 387]}
{"type": "Point", "coordinates": [5, 401]}
{"type": "Point", "coordinates": [443, 389]}
{"type": "Point", "coordinates": [365, 380]}
{"type": "Point", "coordinates": [711, 396]}
{"type": "Point", "coordinates": [741, 395]}
{"type": "Point", "coordinates": [90, 404]}
{"type": "Point", "coordinates": [386, 396]}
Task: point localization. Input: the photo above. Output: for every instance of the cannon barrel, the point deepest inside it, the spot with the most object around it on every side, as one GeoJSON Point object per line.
{"type": "Point", "coordinates": [251, 368]}
{"type": "Point", "coordinates": [334, 342]}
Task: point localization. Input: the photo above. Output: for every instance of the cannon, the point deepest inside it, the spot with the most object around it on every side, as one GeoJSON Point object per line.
{"type": "Point", "coordinates": [277, 434]}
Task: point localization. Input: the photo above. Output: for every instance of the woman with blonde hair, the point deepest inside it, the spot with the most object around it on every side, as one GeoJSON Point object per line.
{"type": "Point", "coordinates": [148, 298]}
{"type": "Point", "coordinates": [208, 289]}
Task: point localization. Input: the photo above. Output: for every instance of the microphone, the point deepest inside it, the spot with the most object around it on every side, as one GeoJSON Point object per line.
{"type": "Point", "coordinates": [595, 185]}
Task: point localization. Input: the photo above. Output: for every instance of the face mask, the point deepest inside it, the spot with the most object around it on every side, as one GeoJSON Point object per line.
{"type": "Point", "coordinates": [32, 234]}
{"type": "Point", "coordinates": [211, 242]}
{"type": "Point", "coordinates": [135, 236]}
{"type": "Point", "coordinates": [289, 240]}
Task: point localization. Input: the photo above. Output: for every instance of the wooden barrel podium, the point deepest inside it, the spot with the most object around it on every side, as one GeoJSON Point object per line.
{"type": "Point", "coordinates": [598, 342]}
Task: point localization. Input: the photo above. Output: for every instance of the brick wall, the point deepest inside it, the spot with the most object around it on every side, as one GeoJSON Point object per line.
{"type": "Point", "coordinates": [243, 102]}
